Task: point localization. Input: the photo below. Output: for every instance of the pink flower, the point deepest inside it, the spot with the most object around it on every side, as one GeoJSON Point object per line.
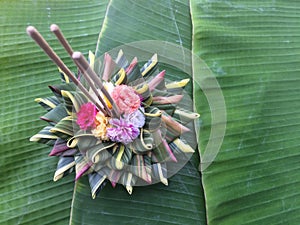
{"type": "Point", "coordinates": [86, 116]}
{"type": "Point", "coordinates": [126, 99]}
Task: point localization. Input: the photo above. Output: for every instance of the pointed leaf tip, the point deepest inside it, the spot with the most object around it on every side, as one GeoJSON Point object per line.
{"type": "Point", "coordinates": [129, 189]}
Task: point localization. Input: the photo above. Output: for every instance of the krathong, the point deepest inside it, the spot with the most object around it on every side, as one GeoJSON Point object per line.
{"type": "Point", "coordinates": [123, 126]}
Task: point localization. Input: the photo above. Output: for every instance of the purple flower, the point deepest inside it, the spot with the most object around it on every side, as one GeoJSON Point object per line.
{"type": "Point", "coordinates": [137, 118]}
{"type": "Point", "coordinates": [122, 131]}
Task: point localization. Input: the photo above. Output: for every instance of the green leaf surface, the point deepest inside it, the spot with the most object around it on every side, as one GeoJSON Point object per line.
{"type": "Point", "coordinates": [28, 194]}
{"type": "Point", "coordinates": [182, 201]}
{"type": "Point", "coordinates": [253, 49]}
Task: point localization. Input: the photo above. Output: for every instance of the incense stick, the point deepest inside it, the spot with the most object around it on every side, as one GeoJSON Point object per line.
{"type": "Point", "coordinates": [84, 65]}
{"type": "Point", "coordinates": [38, 38]}
{"type": "Point", "coordinates": [59, 35]}
{"type": "Point", "coordinates": [90, 81]}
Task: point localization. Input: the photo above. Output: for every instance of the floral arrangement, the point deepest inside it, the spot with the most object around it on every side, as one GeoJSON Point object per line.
{"type": "Point", "coordinates": [124, 127]}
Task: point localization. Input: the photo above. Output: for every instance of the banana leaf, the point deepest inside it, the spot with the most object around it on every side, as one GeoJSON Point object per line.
{"type": "Point", "coordinates": [181, 202]}
{"type": "Point", "coordinates": [37, 199]}
{"type": "Point", "coordinates": [252, 47]}
{"type": "Point", "coordinates": [250, 175]}
{"type": "Point", "coordinates": [28, 194]}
